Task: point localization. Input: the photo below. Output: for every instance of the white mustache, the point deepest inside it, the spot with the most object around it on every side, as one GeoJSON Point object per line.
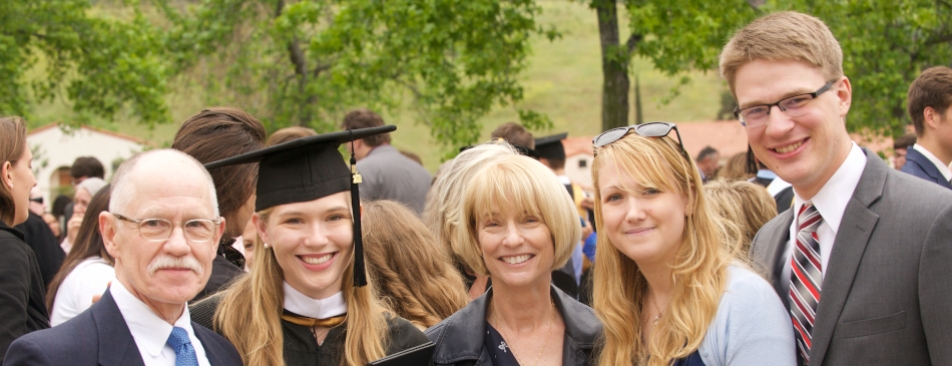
{"type": "Point", "coordinates": [166, 261]}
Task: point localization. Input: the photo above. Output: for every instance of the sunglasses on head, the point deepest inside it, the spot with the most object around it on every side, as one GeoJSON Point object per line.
{"type": "Point", "coordinates": [650, 129]}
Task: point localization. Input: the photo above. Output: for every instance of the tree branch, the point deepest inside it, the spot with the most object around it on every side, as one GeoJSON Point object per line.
{"type": "Point", "coordinates": [632, 42]}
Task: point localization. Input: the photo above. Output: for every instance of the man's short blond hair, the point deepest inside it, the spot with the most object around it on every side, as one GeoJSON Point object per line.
{"type": "Point", "coordinates": [784, 36]}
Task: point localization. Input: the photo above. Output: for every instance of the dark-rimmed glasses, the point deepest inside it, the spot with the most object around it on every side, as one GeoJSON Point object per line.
{"type": "Point", "coordinates": [793, 106]}
{"type": "Point", "coordinates": [159, 230]}
{"type": "Point", "coordinates": [650, 129]}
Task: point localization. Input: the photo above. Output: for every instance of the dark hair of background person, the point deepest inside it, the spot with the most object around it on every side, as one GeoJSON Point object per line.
{"type": "Point", "coordinates": [933, 88]}
{"type": "Point", "coordinates": [364, 118]}
{"type": "Point", "coordinates": [706, 152]}
{"type": "Point", "coordinates": [736, 168]}
{"type": "Point", "coordinates": [88, 243]}
{"type": "Point", "coordinates": [12, 146]}
{"type": "Point", "coordinates": [222, 132]}
{"type": "Point", "coordinates": [289, 133]}
{"type": "Point", "coordinates": [514, 134]}
{"type": "Point", "coordinates": [87, 166]}
{"type": "Point", "coordinates": [59, 205]}
{"type": "Point", "coordinates": [411, 272]}
{"type": "Point", "coordinates": [746, 204]}
{"type": "Point", "coordinates": [905, 141]}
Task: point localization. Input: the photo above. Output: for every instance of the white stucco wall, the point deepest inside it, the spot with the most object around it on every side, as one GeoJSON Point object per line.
{"type": "Point", "coordinates": [59, 149]}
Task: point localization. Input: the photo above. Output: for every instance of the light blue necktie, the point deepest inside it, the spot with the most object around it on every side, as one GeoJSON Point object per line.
{"type": "Point", "coordinates": [184, 352]}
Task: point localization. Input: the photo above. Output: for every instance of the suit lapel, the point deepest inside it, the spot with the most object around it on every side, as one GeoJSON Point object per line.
{"type": "Point", "coordinates": [848, 249]}
{"type": "Point", "coordinates": [927, 167]}
{"type": "Point", "coordinates": [208, 344]}
{"type": "Point", "coordinates": [116, 345]}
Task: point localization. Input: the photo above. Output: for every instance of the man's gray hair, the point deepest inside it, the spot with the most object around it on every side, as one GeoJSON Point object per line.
{"type": "Point", "coordinates": [122, 189]}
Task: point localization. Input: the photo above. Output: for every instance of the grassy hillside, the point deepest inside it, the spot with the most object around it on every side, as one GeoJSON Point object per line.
{"type": "Point", "coordinates": [563, 81]}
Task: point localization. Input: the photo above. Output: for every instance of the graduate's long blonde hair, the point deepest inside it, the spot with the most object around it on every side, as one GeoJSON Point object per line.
{"type": "Point", "coordinates": [699, 275]}
{"type": "Point", "coordinates": [250, 314]}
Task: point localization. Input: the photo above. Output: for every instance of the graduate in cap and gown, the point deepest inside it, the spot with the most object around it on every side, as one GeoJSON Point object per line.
{"type": "Point", "coordinates": [306, 299]}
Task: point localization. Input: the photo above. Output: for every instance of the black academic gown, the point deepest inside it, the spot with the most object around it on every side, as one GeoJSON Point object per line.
{"type": "Point", "coordinates": [300, 346]}
{"type": "Point", "coordinates": [49, 254]}
{"type": "Point", "coordinates": [22, 292]}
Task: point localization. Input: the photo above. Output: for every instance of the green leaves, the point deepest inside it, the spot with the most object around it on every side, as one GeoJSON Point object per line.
{"type": "Point", "coordinates": [100, 65]}
{"type": "Point", "coordinates": [308, 61]}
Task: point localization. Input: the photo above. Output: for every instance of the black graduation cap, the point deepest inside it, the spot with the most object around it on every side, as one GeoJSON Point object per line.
{"type": "Point", "coordinates": [550, 147]}
{"type": "Point", "coordinates": [307, 169]}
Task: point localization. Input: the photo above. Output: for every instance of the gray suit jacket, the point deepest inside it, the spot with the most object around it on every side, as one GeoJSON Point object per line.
{"type": "Point", "coordinates": [887, 293]}
{"type": "Point", "coordinates": [388, 175]}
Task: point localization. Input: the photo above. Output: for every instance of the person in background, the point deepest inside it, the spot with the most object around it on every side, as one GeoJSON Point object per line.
{"type": "Point", "coordinates": [87, 270]}
{"type": "Point", "coordinates": [54, 225]}
{"type": "Point", "coordinates": [551, 153]}
{"type": "Point", "coordinates": [84, 193]}
{"type": "Point", "coordinates": [387, 174]}
{"type": "Point", "coordinates": [162, 228]}
{"type": "Point", "coordinates": [213, 134]}
{"type": "Point", "coordinates": [862, 257]}
{"type": "Point", "coordinates": [667, 290]}
{"type": "Point", "coordinates": [707, 162]}
{"type": "Point", "coordinates": [84, 167]}
{"type": "Point", "coordinates": [306, 298]}
{"type": "Point", "coordinates": [289, 133]}
{"type": "Point", "coordinates": [736, 168]}
{"type": "Point", "coordinates": [930, 103]}
{"type": "Point", "coordinates": [22, 290]}
{"type": "Point", "coordinates": [40, 237]}
{"type": "Point", "coordinates": [901, 147]}
{"type": "Point", "coordinates": [746, 204]}
{"type": "Point", "coordinates": [410, 272]}
{"type": "Point", "coordinates": [516, 224]}
{"type": "Point", "coordinates": [518, 136]}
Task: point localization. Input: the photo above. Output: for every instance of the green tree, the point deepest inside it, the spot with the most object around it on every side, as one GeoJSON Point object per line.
{"type": "Point", "coordinates": [99, 65]}
{"type": "Point", "coordinates": [885, 45]}
{"type": "Point", "coordinates": [304, 62]}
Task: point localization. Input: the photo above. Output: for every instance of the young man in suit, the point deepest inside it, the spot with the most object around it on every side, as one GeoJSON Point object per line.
{"type": "Point", "coordinates": [862, 259]}
{"type": "Point", "coordinates": [162, 228]}
{"type": "Point", "coordinates": [929, 99]}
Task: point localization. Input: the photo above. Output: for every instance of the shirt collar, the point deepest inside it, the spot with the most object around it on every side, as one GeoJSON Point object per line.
{"type": "Point", "coordinates": [301, 304]}
{"type": "Point", "coordinates": [149, 330]}
{"type": "Point", "coordinates": [832, 199]}
{"type": "Point", "coordinates": [943, 169]}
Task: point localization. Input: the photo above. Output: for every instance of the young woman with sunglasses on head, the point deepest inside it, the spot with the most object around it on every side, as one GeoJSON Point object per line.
{"type": "Point", "coordinates": [664, 286]}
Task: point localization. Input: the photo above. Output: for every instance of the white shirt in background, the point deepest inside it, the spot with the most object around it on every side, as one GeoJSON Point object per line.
{"type": "Point", "coordinates": [75, 294]}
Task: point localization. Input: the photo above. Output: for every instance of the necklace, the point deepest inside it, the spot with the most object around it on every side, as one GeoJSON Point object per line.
{"type": "Point", "coordinates": [548, 333]}
{"type": "Point", "coordinates": [656, 318]}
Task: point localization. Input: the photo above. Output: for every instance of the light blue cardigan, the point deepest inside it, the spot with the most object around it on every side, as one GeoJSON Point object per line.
{"type": "Point", "coordinates": [751, 327]}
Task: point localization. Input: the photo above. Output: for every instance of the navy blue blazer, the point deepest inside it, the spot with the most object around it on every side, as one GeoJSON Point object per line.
{"type": "Point", "coordinates": [99, 336]}
{"type": "Point", "coordinates": [919, 165]}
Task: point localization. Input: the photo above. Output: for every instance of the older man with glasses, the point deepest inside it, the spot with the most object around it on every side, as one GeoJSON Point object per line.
{"type": "Point", "coordinates": [162, 228]}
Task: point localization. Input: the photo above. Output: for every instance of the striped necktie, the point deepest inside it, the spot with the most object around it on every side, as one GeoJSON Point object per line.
{"type": "Point", "coordinates": [806, 277]}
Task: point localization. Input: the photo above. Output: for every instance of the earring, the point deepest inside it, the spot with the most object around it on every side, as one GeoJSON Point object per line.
{"type": "Point", "coordinates": [266, 246]}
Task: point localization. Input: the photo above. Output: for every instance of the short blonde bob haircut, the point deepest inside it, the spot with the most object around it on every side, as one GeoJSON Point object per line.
{"type": "Point", "coordinates": [522, 186]}
{"type": "Point", "coordinates": [783, 36]}
{"type": "Point", "coordinates": [699, 274]}
{"type": "Point", "coordinates": [444, 201]}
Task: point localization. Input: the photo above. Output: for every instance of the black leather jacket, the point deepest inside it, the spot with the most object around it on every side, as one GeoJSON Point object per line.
{"type": "Point", "coordinates": [459, 338]}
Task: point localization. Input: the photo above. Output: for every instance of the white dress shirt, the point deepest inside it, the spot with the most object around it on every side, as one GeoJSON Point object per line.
{"type": "Point", "coordinates": [943, 168]}
{"type": "Point", "coordinates": [75, 294]}
{"type": "Point", "coordinates": [151, 332]}
{"type": "Point", "coordinates": [831, 203]}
